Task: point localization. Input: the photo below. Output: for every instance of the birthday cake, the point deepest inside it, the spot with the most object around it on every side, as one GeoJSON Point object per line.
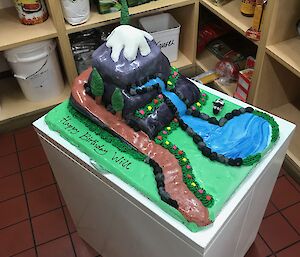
{"type": "Point", "coordinates": [137, 117]}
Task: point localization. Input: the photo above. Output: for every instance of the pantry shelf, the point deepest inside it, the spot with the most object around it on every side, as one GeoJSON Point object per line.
{"type": "Point", "coordinates": [207, 61]}
{"type": "Point", "coordinates": [97, 19]}
{"type": "Point", "coordinates": [14, 34]}
{"type": "Point", "coordinates": [182, 61]}
{"type": "Point", "coordinates": [230, 13]}
{"type": "Point", "coordinates": [291, 112]}
{"type": "Point", "coordinates": [13, 104]}
{"type": "Point", "coordinates": [287, 53]}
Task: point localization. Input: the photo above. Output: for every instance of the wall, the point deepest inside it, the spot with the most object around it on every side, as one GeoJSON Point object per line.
{"type": "Point", "coordinates": [3, 64]}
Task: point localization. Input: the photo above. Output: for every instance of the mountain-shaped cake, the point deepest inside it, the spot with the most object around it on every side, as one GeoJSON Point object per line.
{"type": "Point", "coordinates": [139, 118]}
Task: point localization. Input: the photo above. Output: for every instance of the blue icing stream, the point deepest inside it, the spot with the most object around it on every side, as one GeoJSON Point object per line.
{"type": "Point", "coordinates": [240, 137]}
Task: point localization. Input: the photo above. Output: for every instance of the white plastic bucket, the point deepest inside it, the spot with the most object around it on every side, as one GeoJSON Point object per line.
{"type": "Point", "coordinates": [37, 70]}
{"type": "Point", "coordinates": [165, 31]}
{"type": "Point", "coordinates": [76, 11]}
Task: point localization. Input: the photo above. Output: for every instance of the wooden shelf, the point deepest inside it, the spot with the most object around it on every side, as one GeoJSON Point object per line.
{"type": "Point", "coordinates": [97, 19]}
{"type": "Point", "coordinates": [230, 13]}
{"type": "Point", "coordinates": [14, 105]}
{"type": "Point", "coordinates": [207, 61]}
{"type": "Point", "coordinates": [287, 53]}
{"type": "Point", "coordinates": [14, 34]}
{"type": "Point", "coordinates": [291, 112]}
{"type": "Point", "coordinates": [182, 61]}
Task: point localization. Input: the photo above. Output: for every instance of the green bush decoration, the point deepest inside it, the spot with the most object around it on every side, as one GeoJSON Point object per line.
{"type": "Point", "coordinates": [124, 13]}
{"type": "Point", "coordinates": [149, 108]}
{"type": "Point", "coordinates": [117, 100]}
{"type": "Point", "coordinates": [97, 84]}
{"type": "Point", "coordinates": [272, 122]}
{"type": "Point", "coordinates": [173, 77]}
{"type": "Point", "coordinates": [250, 160]}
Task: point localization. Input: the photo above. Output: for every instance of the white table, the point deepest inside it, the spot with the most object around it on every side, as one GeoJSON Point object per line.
{"type": "Point", "coordinates": [118, 221]}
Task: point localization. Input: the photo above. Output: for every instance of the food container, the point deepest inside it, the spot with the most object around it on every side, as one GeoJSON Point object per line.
{"type": "Point", "coordinates": [76, 11]}
{"type": "Point", "coordinates": [37, 70]}
{"type": "Point", "coordinates": [31, 11]}
{"type": "Point", "coordinates": [165, 31]}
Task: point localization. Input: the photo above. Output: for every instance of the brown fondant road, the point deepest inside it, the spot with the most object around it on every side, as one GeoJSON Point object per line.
{"type": "Point", "coordinates": [190, 207]}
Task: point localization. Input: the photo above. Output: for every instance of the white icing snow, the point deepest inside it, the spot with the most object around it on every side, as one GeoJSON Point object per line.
{"type": "Point", "coordinates": [131, 40]}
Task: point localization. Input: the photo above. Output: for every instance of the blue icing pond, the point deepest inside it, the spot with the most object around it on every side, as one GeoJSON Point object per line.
{"type": "Point", "coordinates": [244, 135]}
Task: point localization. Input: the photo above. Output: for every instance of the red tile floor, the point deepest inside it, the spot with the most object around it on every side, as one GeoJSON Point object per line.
{"type": "Point", "coordinates": [34, 220]}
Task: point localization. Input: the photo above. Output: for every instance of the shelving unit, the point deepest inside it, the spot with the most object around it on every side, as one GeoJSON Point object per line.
{"type": "Point", "coordinates": [230, 13]}
{"type": "Point", "coordinates": [277, 85]}
{"type": "Point", "coordinates": [207, 61]}
{"type": "Point", "coordinates": [97, 20]}
{"type": "Point", "coordinates": [14, 34]}
{"type": "Point", "coordinates": [291, 112]}
{"type": "Point", "coordinates": [283, 100]}
{"type": "Point", "coordinates": [287, 53]}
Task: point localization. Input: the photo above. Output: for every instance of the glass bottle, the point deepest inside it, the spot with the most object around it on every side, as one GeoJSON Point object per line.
{"type": "Point", "coordinates": [247, 7]}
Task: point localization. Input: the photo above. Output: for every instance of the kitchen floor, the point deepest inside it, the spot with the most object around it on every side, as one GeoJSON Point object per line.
{"type": "Point", "coordinates": [34, 219]}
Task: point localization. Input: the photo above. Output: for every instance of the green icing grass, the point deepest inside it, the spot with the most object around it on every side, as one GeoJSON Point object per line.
{"type": "Point", "coordinates": [219, 180]}
{"type": "Point", "coordinates": [208, 107]}
{"type": "Point", "coordinates": [139, 175]}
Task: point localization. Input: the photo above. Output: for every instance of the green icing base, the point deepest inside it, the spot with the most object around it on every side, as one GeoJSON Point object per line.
{"type": "Point", "coordinates": [81, 132]}
{"type": "Point", "coordinates": [218, 180]}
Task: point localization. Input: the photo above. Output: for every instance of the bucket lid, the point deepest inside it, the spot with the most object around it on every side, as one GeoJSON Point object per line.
{"type": "Point", "coordinates": [28, 52]}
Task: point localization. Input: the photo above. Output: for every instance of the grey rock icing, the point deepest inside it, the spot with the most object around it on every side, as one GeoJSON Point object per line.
{"type": "Point", "coordinates": [124, 73]}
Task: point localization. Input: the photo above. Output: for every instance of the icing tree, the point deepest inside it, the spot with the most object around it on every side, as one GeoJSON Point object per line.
{"type": "Point", "coordinates": [129, 39]}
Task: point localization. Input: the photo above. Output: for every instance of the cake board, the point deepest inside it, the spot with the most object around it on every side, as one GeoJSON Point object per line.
{"type": "Point", "coordinates": [117, 220]}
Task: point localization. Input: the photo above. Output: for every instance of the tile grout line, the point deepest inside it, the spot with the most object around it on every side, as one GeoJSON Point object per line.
{"type": "Point", "coordinates": [20, 171]}
{"type": "Point", "coordinates": [272, 252]}
{"type": "Point", "coordinates": [27, 148]}
{"type": "Point", "coordinates": [40, 188]}
{"type": "Point", "coordinates": [290, 223]}
{"type": "Point", "coordinates": [26, 199]}
{"type": "Point", "coordinates": [49, 241]}
{"type": "Point", "coordinates": [280, 210]}
{"type": "Point", "coordinates": [267, 216]}
{"type": "Point", "coordinates": [21, 252]}
{"type": "Point", "coordinates": [11, 198]}
{"type": "Point", "coordinates": [33, 217]}
{"type": "Point", "coordinates": [6, 176]}
{"type": "Point", "coordinates": [37, 166]}
{"type": "Point", "coordinates": [7, 154]}
{"type": "Point", "coordinates": [298, 190]}
{"type": "Point", "coordinates": [46, 212]}
{"type": "Point", "coordinates": [43, 187]}
{"type": "Point", "coordinates": [8, 226]}
{"type": "Point", "coordinates": [293, 204]}
{"type": "Point", "coordinates": [286, 247]}
{"type": "Point", "coordinates": [73, 246]}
